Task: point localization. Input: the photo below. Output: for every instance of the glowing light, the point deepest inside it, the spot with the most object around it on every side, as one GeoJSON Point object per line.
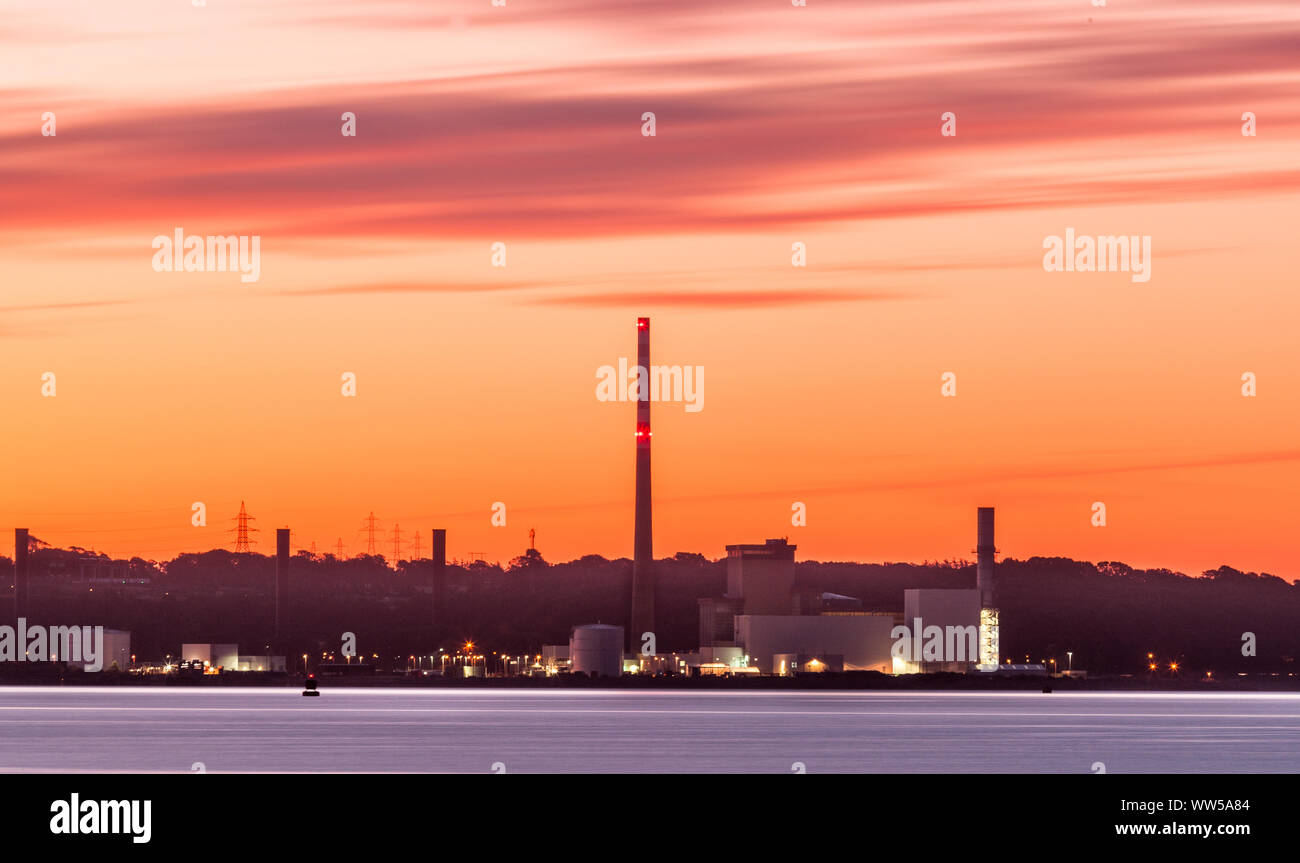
{"type": "Point", "coordinates": [988, 639]}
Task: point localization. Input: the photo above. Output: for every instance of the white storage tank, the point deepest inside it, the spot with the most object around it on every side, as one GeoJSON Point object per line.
{"type": "Point", "coordinates": [596, 649]}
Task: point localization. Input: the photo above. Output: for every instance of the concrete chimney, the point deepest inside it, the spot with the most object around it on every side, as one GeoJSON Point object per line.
{"type": "Point", "coordinates": [985, 550]}
{"type": "Point", "coordinates": [281, 581]}
{"type": "Point", "coordinates": [643, 578]}
{"type": "Point", "coordinates": [20, 572]}
{"type": "Point", "coordinates": [439, 574]}
{"type": "Point", "coordinates": [990, 629]}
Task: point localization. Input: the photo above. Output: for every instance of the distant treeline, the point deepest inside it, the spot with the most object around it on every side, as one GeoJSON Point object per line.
{"type": "Point", "coordinates": [1110, 615]}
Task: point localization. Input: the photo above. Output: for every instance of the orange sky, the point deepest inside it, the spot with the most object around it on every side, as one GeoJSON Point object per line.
{"type": "Point", "coordinates": [775, 124]}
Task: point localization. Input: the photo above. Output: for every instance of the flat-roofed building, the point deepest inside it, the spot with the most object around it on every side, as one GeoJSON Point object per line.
{"type": "Point", "coordinates": [955, 614]}
{"type": "Point", "coordinates": [861, 642]}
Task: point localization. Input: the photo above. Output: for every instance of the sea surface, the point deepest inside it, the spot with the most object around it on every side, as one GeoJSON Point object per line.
{"type": "Point", "coordinates": [149, 729]}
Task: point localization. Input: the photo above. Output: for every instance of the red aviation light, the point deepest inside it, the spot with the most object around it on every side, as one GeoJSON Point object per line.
{"type": "Point", "coordinates": [642, 323]}
{"type": "Point", "coordinates": [643, 430]}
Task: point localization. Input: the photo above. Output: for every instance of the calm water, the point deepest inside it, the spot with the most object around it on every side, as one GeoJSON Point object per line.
{"type": "Point", "coordinates": [152, 729]}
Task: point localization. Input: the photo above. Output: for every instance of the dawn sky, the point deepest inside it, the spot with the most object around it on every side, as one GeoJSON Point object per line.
{"type": "Point", "coordinates": [775, 125]}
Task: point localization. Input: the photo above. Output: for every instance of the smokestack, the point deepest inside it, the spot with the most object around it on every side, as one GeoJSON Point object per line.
{"type": "Point", "coordinates": [985, 580]}
{"type": "Point", "coordinates": [20, 572]}
{"type": "Point", "coordinates": [985, 550]}
{"type": "Point", "coordinates": [439, 573]}
{"type": "Point", "coordinates": [643, 579]}
{"type": "Point", "coordinates": [281, 581]}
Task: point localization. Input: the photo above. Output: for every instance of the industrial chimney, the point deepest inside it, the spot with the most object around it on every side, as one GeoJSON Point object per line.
{"type": "Point", "coordinates": [643, 579]}
{"type": "Point", "coordinates": [20, 572]}
{"type": "Point", "coordinates": [439, 573]}
{"type": "Point", "coordinates": [986, 582]}
{"type": "Point", "coordinates": [281, 581]}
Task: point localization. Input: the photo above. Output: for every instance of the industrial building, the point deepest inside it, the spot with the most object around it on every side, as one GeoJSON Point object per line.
{"type": "Point", "coordinates": [762, 577]}
{"type": "Point", "coordinates": [226, 657]}
{"type": "Point", "coordinates": [859, 642]}
{"type": "Point", "coordinates": [555, 658]}
{"type": "Point", "coordinates": [767, 621]}
{"type": "Point", "coordinates": [215, 655]}
{"type": "Point", "coordinates": [115, 650]}
{"type": "Point", "coordinates": [760, 580]}
{"type": "Point", "coordinates": [951, 612]}
{"type": "Point", "coordinates": [260, 663]}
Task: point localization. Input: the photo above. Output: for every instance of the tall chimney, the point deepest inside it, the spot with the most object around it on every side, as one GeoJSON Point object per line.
{"type": "Point", "coordinates": [20, 572]}
{"type": "Point", "coordinates": [986, 582]}
{"type": "Point", "coordinates": [439, 573]}
{"type": "Point", "coordinates": [985, 550]}
{"type": "Point", "coordinates": [281, 581]}
{"type": "Point", "coordinates": [643, 579]}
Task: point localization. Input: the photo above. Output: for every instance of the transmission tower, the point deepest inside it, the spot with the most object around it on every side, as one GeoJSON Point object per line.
{"type": "Point", "coordinates": [339, 546]}
{"type": "Point", "coordinates": [370, 525]}
{"type": "Point", "coordinates": [416, 553]}
{"type": "Point", "coordinates": [397, 543]}
{"type": "Point", "coordinates": [242, 530]}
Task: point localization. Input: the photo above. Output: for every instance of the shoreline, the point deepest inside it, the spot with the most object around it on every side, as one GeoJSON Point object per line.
{"type": "Point", "coordinates": [825, 681]}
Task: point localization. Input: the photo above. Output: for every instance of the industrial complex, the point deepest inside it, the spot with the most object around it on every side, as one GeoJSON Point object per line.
{"type": "Point", "coordinates": [765, 622]}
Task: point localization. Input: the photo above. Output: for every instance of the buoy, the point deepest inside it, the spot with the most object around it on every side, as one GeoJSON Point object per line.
{"type": "Point", "coordinates": [311, 686]}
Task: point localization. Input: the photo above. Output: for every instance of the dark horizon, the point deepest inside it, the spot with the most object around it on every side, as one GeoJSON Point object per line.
{"type": "Point", "coordinates": [1109, 614]}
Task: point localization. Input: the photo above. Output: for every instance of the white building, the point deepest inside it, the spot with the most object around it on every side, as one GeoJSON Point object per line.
{"type": "Point", "coordinates": [257, 663]}
{"type": "Point", "coordinates": [862, 640]}
{"type": "Point", "coordinates": [955, 616]}
{"type": "Point", "coordinates": [217, 655]}
{"type": "Point", "coordinates": [116, 650]}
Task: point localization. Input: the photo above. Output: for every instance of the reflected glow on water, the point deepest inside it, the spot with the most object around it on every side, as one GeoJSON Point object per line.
{"type": "Point", "coordinates": [398, 730]}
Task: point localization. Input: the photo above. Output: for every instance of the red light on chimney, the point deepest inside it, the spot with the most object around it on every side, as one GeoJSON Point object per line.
{"type": "Point", "coordinates": [642, 323]}
{"type": "Point", "coordinates": [643, 430]}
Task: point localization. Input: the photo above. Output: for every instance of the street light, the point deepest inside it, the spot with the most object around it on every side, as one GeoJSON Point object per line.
{"type": "Point", "coordinates": [1070, 654]}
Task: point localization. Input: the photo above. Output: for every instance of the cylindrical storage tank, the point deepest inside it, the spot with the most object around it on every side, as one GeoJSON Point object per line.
{"type": "Point", "coordinates": [596, 649]}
